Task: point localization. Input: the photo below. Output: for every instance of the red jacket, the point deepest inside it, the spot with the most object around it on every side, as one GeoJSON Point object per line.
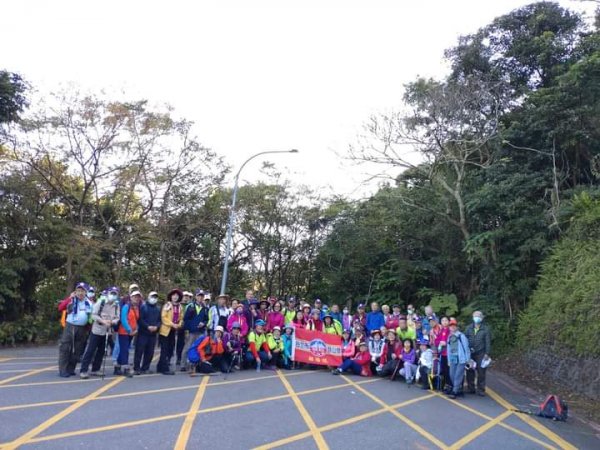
{"type": "Point", "coordinates": [397, 350]}
{"type": "Point", "coordinates": [364, 359]}
{"type": "Point", "coordinates": [392, 322]}
{"type": "Point", "coordinates": [442, 335]}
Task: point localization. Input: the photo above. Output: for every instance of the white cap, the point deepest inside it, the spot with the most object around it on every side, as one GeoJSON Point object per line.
{"type": "Point", "coordinates": [219, 328]}
{"type": "Point", "coordinates": [153, 294]}
{"type": "Point", "coordinates": [277, 328]}
{"type": "Point", "coordinates": [133, 287]}
{"type": "Point", "coordinates": [188, 293]}
{"type": "Point", "coordinates": [134, 293]}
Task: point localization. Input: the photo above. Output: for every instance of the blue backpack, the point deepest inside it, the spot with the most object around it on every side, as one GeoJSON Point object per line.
{"type": "Point", "coordinates": [192, 354]}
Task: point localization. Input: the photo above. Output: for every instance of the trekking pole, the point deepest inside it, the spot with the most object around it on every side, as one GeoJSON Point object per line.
{"type": "Point", "coordinates": [105, 353]}
{"type": "Point", "coordinates": [230, 366]}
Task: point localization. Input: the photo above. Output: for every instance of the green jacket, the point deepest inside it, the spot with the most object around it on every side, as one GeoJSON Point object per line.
{"type": "Point", "coordinates": [274, 343]}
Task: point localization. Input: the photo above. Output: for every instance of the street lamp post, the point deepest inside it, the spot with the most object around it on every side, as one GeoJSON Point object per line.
{"type": "Point", "coordinates": [232, 214]}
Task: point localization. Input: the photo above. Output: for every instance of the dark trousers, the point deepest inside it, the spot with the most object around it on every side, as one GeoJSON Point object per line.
{"type": "Point", "coordinates": [277, 359]}
{"type": "Point", "coordinates": [263, 356]}
{"type": "Point", "coordinates": [445, 369]}
{"type": "Point", "coordinates": [479, 372]}
{"type": "Point", "coordinates": [424, 376]}
{"type": "Point", "coordinates": [217, 362]}
{"type": "Point", "coordinates": [167, 345]}
{"type": "Point", "coordinates": [124, 343]}
{"type": "Point", "coordinates": [94, 351]}
{"type": "Point", "coordinates": [180, 344]}
{"type": "Point", "coordinates": [389, 367]}
{"type": "Point", "coordinates": [71, 346]}
{"type": "Point", "coordinates": [352, 366]}
{"type": "Point", "coordinates": [144, 351]}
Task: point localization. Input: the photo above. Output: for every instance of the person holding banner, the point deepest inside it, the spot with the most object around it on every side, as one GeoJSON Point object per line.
{"type": "Point", "coordinates": [314, 322]}
{"type": "Point", "coordinates": [258, 350]}
{"type": "Point", "coordinates": [359, 364]}
{"type": "Point", "coordinates": [348, 347]}
{"type": "Point", "coordinates": [288, 336]}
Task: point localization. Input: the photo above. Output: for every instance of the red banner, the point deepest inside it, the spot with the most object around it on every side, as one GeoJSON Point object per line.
{"type": "Point", "coordinates": [314, 347]}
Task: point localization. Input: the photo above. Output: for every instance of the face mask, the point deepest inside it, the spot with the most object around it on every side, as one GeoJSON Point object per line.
{"type": "Point", "coordinates": [477, 320]}
{"type": "Point", "coordinates": [91, 294]}
{"type": "Point", "coordinates": [410, 311]}
{"type": "Point", "coordinates": [112, 297]}
{"type": "Point", "coordinates": [153, 300]}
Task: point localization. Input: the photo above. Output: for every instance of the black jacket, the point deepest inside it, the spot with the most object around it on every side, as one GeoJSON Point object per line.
{"type": "Point", "coordinates": [480, 342]}
{"type": "Point", "coordinates": [149, 317]}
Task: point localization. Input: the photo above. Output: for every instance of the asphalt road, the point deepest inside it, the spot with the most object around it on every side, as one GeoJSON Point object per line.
{"type": "Point", "coordinates": [283, 409]}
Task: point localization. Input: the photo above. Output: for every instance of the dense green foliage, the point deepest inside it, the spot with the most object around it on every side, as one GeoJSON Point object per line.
{"type": "Point", "coordinates": [564, 311]}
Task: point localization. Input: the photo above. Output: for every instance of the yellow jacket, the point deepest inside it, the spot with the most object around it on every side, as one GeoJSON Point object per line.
{"type": "Point", "coordinates": [166, 316]}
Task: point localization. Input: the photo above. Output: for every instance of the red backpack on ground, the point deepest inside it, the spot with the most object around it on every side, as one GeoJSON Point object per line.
{"type": "Point", "coordinates": [554, 408]}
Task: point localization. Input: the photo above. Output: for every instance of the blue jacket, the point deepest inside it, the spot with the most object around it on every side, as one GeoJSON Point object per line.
{"type": "Point", "coordinates": [149, 317]}
{"type": "Point", "coordinates": [464, 353]}
{"type": "Point", "coordinates": [375, 321]}
{"type": "Point", "coordinates": [287, 347]}
{"type": "Point", "coordinates": [194, 314]}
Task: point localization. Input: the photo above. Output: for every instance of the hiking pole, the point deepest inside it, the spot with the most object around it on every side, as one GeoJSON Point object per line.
{"type": "Point", "coordinates": [230, 366]}
{"type": "Point", "coordinates": [105, 353]}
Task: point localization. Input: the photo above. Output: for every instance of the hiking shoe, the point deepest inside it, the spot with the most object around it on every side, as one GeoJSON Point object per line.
{"type": "Point", "coordinates": [95, 373]}
{"type": "Point", "coordinates": [64, 375]}
{"type": "Point", "coordinates": [83, 375]}
{"type": "Point", "coordinates": [127, 373]}
{"type": "Point", "coordinates": [137, 372]}
{"type": "Point", "coordinates": [183, 369]}
{"type": "Point", "coordinates": [452, 396]}
{"type": "Point", "coordinates": [335, 372]}
{"type": "Point", "coordinates": [481, 393]}
{"type": "Point", "coordinates": [117, 371]}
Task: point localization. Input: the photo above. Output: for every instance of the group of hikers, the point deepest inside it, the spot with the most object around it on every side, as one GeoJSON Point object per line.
{"type": "Point", "coordinates": [226, 335]}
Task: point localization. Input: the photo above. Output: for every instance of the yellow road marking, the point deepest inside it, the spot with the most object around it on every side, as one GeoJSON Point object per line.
{"type": "Point", "coordinates": [117, 426]}
{"type": "Point", "coordinates": [419, 429]}
{"type": "Point", "coordinates": [479, 431]}
{"type": "Point", "coordinates": [128, 394]}
{"type": "Point", "coordinates": [341, 423]}
{"type": "Point", "coordinates": [546, 432]}
{"type": "Point", "coordinates": [178, 415]}
{"type": "Point", "coordinates": [502, 424]}
{"type": "Point", "coordinates": [186, 428]}
{"type": "Point", "coordinates": [312, 426]}
{"type": "Point", "coordinates": [27, 374]}
{"type": "Point", "coordinates": [61, 415]}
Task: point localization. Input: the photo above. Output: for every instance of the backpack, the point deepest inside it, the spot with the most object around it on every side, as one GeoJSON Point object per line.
{"type": "Point", "coordinates": [192, 354]}
{"type": "Point", "coordinates": [554, 408]}
{"type": "Point", "coordinates": [115, 326]}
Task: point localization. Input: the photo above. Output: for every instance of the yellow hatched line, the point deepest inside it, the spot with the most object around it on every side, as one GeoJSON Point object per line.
{"type": "Point", "coordinates": [188, 423]}
{"type": "Point", "coordinates": [502, 424]}
{"type": "Point", "coordinates": [178, 415]}
{"type": "Point", "coordinates": [25, 438]}
{"type": "Point", "coordinates": [479, 431]}
{"type": "Point", "coordinates": [341, 423]}
{"type": "Point", "coordinates": [419, 429]}
{"type": "Point", "coordinates": [312, 426]}
{"type": "Point", "coordinates": [546, 432]}
{"type": "Point", "coordinates": [23, 375]}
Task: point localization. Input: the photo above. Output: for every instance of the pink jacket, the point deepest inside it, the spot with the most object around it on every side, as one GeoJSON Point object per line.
{"type": "Point", "coordinates": [348, 349]}
{"type": "Point", "coordinates": [275, 319]}
{"type": "Point", "coordinates": [241, 319]}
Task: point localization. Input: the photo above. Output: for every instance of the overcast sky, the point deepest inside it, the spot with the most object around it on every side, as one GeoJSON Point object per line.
{"type": "Point", "coordinates": [253, 75]}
